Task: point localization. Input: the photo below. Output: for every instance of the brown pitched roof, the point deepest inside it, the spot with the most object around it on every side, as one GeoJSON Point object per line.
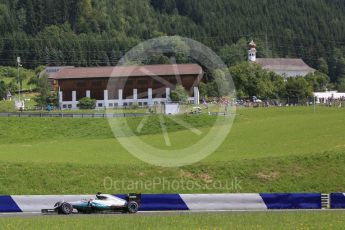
{"type": "Point", "coordinates": [284, 64]}
{"type": "Point", "coordinates": [128, 71]}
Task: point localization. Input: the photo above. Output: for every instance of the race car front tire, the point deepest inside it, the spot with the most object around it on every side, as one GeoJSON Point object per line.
{"type": "Point", "coordinates": [132, 207]}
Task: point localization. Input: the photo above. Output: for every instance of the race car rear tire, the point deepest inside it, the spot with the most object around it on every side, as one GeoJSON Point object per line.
{"type": "Point", "coordinates": [132, 207]}
{"type": "Point", "coordinates": [66, 208]}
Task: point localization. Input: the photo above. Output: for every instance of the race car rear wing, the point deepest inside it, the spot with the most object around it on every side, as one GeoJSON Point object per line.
{"type": "Point", "coordinates": [134, 197]}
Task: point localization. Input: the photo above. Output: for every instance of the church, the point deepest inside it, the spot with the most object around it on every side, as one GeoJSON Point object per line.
{"type": "Point", "coordinates": [286, 67]}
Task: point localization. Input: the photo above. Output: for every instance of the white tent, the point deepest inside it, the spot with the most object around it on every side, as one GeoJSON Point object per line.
{"type": "Point", "coordinates": [324, 96]}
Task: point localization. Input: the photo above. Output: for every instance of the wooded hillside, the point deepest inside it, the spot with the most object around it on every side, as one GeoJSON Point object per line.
{"type": "Point", "coordinates": [98, 32]}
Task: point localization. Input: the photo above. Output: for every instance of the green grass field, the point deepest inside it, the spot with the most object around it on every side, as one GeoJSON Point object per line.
{"type": "Point", "coordinates": [222, 221]}
{"type": "Point", "coordinates": [267, 150]}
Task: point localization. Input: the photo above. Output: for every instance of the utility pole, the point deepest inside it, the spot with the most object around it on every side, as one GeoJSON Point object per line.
{"type": "Point", "coordinates": [19, 82]}
{"type": "Point", "coordinates": [266, 41]}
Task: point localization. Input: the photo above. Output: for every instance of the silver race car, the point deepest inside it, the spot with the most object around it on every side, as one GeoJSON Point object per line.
{"type": "Point", "coordinates": [102, 203]}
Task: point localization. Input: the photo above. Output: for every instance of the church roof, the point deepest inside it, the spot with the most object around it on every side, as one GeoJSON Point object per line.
{"type": "Point", "coordinates": [286, 64]}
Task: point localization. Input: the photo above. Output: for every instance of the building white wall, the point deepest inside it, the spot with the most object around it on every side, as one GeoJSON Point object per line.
{"type": "Point", "coordinates": [291, 73]}
{"type": "Point", "coordinates": [121, 102]}
{"type": "Point", "coordinates": [252, 55]}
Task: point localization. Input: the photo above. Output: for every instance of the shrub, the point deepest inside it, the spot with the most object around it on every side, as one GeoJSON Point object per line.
{"type": "Point", "coordinates": [179, 94]}
{"type": "Point", "coordinates": [7, 106]}
{"type": "Point", "coordinates": [135, 105]}
{"type": "Point", "coordinates": [87, 103]}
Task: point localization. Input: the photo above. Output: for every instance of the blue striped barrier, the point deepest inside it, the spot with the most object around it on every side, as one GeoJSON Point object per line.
{"type": "Point", "coordinates": [179, 202]}
{"type": "Point", "coordinates": [292, 200]}
{"type": "Point", "coordinates": [7, 204]}
{"type": "Point", "coordinates": [161, 202]}
{"type": "Point", "coordinates": [337, 200]}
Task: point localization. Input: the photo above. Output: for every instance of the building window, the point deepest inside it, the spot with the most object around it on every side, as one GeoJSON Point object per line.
{"type": "Point", "coordinates": [111, 105]}
{"type": "Point", "coordinates": [70, 106]}
{"type": "Point", "coordinates": [64, 106]}
{"type": "Point", "coordinates": [100, 104]}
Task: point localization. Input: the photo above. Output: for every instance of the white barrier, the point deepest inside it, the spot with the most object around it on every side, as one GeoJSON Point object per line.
{"type": "Point", "coordinates": [217, 202]}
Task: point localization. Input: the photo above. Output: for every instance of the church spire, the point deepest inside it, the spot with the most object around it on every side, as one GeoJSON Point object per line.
{"type": "Point", "coordinates": [252, 51]}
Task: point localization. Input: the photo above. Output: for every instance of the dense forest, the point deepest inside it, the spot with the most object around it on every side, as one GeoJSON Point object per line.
{"type": "Point", "coordinates": [99, 32]}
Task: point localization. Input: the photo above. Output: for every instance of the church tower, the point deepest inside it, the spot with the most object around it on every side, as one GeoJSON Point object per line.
{"type": "Point", "coordinates": [252, 51]}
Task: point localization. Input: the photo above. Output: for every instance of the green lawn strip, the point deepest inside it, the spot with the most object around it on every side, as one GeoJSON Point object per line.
{"type": "Point", "coordinates": [235, 220]}
{"type": "Point", "coordinates": [313, 173]}
{"type": "Point", "coordinates": [27, 130]}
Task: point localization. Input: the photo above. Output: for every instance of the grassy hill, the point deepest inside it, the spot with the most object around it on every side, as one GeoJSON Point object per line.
{"type": "Point", "coordinates": [268, 150]}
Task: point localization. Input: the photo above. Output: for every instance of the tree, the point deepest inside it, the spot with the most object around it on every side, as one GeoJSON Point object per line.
{"type": "Point", "coordinates": [44, 91]}
{"type": "Point", "coordinates": [222, 82]}
{"type": "Point", "coordinates": [105, 61]}
{"type": "Point", "coordinates": [179, 94]}
{"type": "Point", "coordinates": [212, 89]}
{"type": "Point", "coordinates": [113, 58]}
{"type": "Point", "coordinates": [252, 80]}
{"type": "Point", "coordinates": [322, 66]}
{"type": "Point", "coordinates": [341, 68]}
{"type": "Point", "coordinates": [34, 79]}
{"type": "Point", "coordinates": [298, 90]}
{"type": "Point", "coordinates": [336, 65]}
{"type": "Point", "coordinates": [12, 87]}
{"type": "Point", "coordinates": [3, 90]}
{"type": "Point", "coordinates": [20, 78]}
{"type": "Point", "coordinates": [318, 81]}
{"type": "Point", "coordinates": [235, 53]}
{"type": "Point", "coordinates": [121, 24]}
{"type": "Point", "coordinates": [203, 89]}
{"type": "Point", "coordinates": [341, 85]}
{"type": "Point", "coordinates": [87, 103]}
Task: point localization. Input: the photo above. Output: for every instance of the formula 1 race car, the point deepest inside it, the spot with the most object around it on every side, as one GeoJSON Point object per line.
{"type": "Point", "coordinates": [103, 203]}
